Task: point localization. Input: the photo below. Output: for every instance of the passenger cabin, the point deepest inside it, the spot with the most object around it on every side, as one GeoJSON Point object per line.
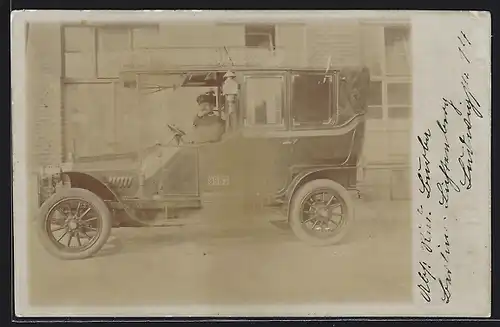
{"type": "Point", "coordinates": [269, 100]}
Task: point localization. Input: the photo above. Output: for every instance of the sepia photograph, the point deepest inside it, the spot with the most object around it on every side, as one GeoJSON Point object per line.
{"type": "Point", "coordinates": [219, 162]}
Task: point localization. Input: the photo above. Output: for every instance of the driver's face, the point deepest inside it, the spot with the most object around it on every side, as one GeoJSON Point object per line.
{"type": "Point", "coordinates": [206, 107]}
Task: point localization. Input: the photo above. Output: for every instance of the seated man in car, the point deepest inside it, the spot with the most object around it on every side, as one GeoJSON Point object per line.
{"type": "Point", "coordinates": [208, 126]}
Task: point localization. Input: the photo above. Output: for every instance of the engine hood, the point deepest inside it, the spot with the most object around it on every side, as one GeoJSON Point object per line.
{"type": "Point", "coordinates": [148, 163]}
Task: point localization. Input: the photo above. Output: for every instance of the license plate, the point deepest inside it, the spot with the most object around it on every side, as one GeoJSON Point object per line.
{"type": "Point", "coordinates": [218, 180]}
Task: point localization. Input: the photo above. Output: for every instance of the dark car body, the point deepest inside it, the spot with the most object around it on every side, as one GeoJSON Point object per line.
{"type": "Point", "coordinates": [263, 162]}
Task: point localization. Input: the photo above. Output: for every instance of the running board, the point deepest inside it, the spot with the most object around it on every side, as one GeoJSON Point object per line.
{"type": "Point", "coordinates": [155, 204]}
{"type": "Point", "coordinates": [180, 222]}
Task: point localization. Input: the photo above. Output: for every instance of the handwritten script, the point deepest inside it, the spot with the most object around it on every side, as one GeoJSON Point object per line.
{"type": "Point", "coordinates": [438, 181]}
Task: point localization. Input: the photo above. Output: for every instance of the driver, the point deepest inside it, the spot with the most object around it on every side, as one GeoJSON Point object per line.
{"type": "Point", "coordinates": [208, 126]}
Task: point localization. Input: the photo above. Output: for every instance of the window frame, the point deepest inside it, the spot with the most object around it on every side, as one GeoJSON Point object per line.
{"type": "Point", "coordinates": [96, 28]}
{"type": "Point", "coordinates": [65, 51]}
{"type": "Point", "coordinates": [386, 71]}
{"type": "Point", "coordinates": [381, 105]}
{"type": "Point", "coordinates": [386, 78]}
{"type": "Point", "coordinates": [271, 35]}
{"type": "Point", "coordinates": [283, 125]}
{"type": "Point", "coordinates": [100, 31]}
{"type": "Point", "coordinates": [408, 106]}
{"type": "Point", "coordinates": [333, 103]}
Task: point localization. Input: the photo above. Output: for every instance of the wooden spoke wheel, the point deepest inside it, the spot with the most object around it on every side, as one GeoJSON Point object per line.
{"type": "Point", "coordinates": [74, 224]}
{"type": "Point", "coordinates": [320, 212]}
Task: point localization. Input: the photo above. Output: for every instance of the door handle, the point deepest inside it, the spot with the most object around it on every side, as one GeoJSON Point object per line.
{"type": "Point", "coordinates": [290, 142]}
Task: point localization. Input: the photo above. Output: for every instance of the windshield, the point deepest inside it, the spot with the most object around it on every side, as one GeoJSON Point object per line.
{"type": "Point", "coordinates": [147, 102]}
{"type": "Point", "coordinates": [157, 83]}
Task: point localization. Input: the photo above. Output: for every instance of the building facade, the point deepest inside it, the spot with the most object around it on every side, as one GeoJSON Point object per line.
{"type": "Point", "coordinates": [78, 106]}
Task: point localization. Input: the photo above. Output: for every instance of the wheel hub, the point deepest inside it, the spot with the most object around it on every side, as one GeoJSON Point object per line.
{"type": "Point", "coordinates": [72, 224]}
{"type": "Point", "coordinates": [322, 212]}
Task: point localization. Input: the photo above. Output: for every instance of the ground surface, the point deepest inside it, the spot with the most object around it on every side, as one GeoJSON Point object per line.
{"type": "Point", "coordinates": [240, 261]}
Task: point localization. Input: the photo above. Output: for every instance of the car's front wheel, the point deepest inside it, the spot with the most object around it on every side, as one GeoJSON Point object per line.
{"type": "Point", "coordinates": [321, 212]}
{"type": "Point", "coordinates": [74, 224]}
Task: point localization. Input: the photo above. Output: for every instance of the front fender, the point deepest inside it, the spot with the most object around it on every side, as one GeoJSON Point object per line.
{"type": "Point", "coordinates": [52, 180]}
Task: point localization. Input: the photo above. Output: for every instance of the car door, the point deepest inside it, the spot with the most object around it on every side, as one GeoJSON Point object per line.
{"type": "Point", "coordinates": [313, 116]}
{"type": "Point", "coordinates": [326, 112]}
{"type": "Point", "coordinates": [265, 126]}
{"type": "Point", "coordinates": [251, 162]}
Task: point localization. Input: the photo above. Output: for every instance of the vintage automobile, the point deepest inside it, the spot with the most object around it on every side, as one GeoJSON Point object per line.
{"type": "Point", "coordinates": [292, 139]}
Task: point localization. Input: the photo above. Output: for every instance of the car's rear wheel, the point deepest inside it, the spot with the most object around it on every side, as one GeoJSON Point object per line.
{"type": "Point", "coordinates": [321, 212]}
{"type": "Point", "coordinates": [74, 224]}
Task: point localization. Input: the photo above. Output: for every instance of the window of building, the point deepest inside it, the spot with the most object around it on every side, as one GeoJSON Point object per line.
{"type": "Point", "coordinates": [79, 52]}
{"type": "Point", "coordinates": [312, 99]}
{"type": "Point", "coordinates": [399, 99]}
{"type": "Point", "coordinates": [100, 51]}
{"type": "Point", "coordinates": [264, 101]}
{"type": "Point", "coordinates": [260, 36]}
{"type": "Point", "coordinates": [111, 39]}
{"type": "Point", "coordinates": [146, 37]}
{"type": "Point", "coordinates": [397, 50]}
{"type": "Point", "coordinates": [386, 51]}
{"type": "Point", "coordinates": [375, 110]}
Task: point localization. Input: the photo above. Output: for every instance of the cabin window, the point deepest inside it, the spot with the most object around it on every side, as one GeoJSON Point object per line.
{"type": "Point", "coordinates": [260, 36]}
{"type": "Point", "coordinates": [264, 101]}
{"type": "Point", "coordinates": [312, 97]}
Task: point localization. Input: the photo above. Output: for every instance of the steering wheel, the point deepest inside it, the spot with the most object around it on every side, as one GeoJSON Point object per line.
{"type": "Point", "coordinates": [176, 130]}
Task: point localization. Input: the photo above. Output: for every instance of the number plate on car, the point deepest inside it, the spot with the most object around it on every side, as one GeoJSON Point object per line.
{"type": "Point", "coordinates": [218, 180]}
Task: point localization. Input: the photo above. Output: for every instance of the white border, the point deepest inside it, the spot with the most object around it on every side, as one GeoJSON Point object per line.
{"type": "Point", "coordinates": [20, 191]}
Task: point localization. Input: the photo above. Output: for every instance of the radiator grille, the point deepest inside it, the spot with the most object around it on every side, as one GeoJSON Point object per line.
{"type": "Point", "coordinates": [120, 181]}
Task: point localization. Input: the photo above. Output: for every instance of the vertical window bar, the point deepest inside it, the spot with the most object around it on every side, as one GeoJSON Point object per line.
{"type": "Point", "coordinates": [96, 51]}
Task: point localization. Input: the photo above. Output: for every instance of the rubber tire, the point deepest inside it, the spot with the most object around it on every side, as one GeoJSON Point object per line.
{"type": "Point", "coordinates": [86, 195]}
{"type": "Point", "coordinates": [294, 217]}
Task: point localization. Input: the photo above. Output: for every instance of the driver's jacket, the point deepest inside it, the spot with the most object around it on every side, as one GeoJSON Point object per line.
{"type": "Point", "coordinates": [208, 119]}
{"type": "Point", "coordinates": [207, 128]}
